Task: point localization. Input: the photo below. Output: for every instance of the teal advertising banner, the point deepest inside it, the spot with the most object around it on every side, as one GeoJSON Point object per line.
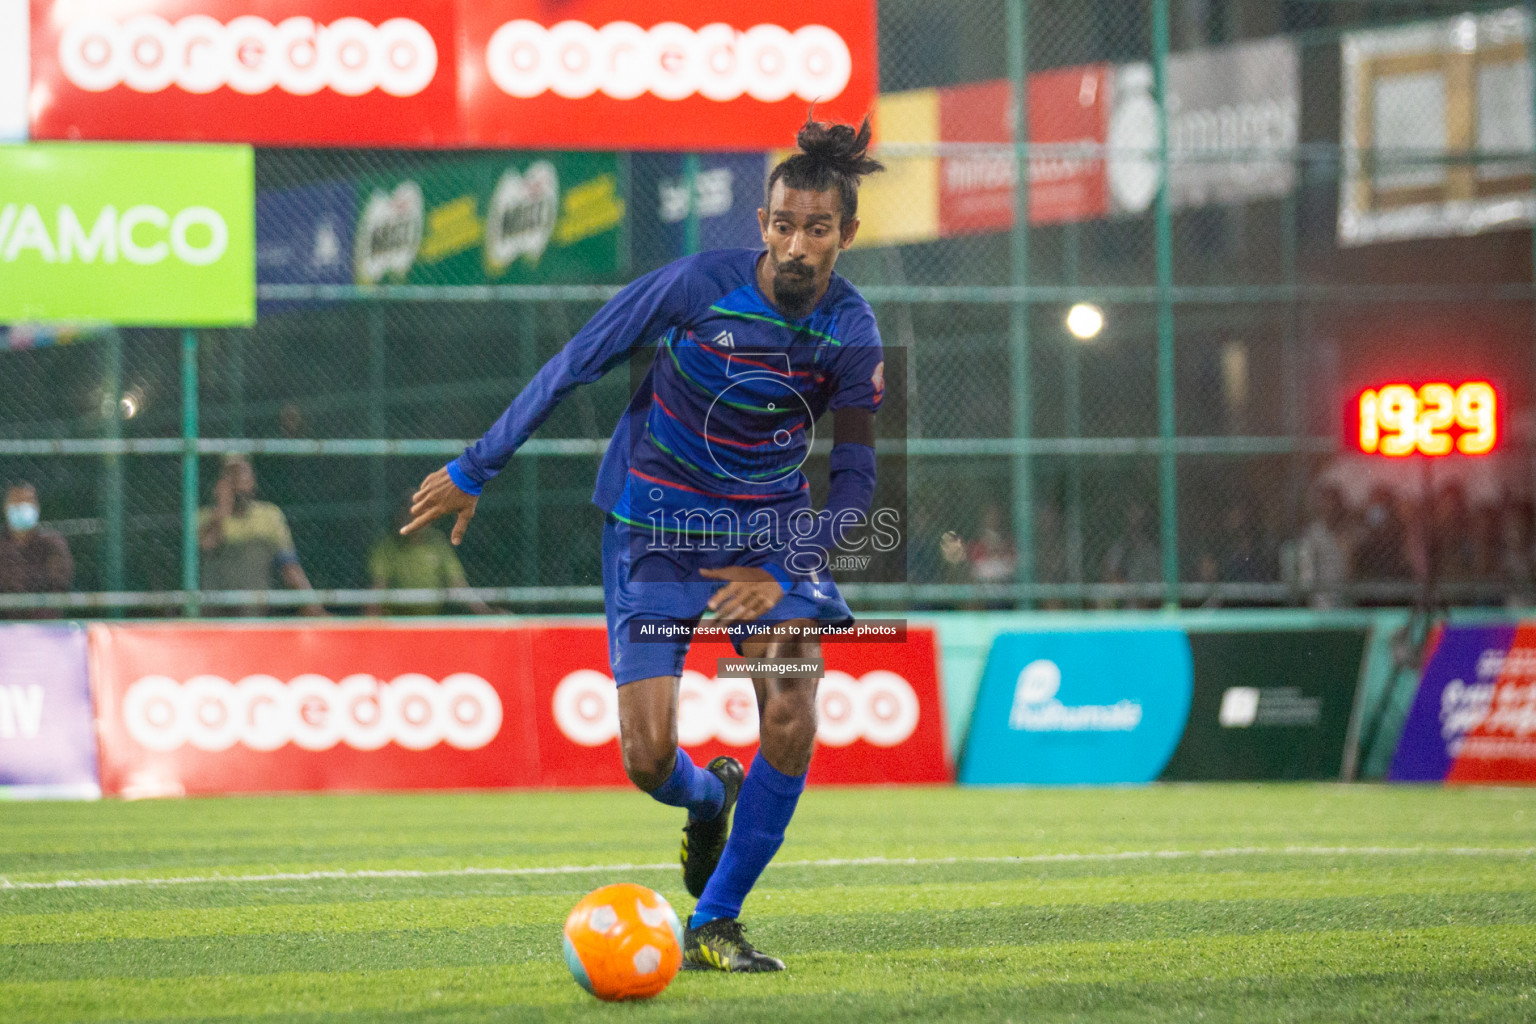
{"type": "Point", "coordinates": [1095, 707]}
{"type": "Point", "coordinates": [505, 218]}
{"type": "Point", "coordinates": [137, 235]}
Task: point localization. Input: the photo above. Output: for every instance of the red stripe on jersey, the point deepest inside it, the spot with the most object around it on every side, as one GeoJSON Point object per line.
{"type": "Point", "coordinates": [707, 494]}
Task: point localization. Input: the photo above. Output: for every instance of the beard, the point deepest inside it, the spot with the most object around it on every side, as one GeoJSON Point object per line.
{"type": "Point", "coordinates": [794, 288]}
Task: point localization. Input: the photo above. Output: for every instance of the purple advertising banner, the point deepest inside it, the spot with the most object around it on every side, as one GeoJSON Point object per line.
{"type": "Point", "coordinates": [1452, 699]}
{"type": "Point", "coordinates": [47, 727]}
{"type": "Point", "coordinates": [726, 194]}
{"type": "Point", "coordinates": [304, 237]}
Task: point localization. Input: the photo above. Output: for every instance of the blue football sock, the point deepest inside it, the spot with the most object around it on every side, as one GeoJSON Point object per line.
{"type": "Point", "coordinates": [763, 809]}
{"type": "Point", "coordinates": [692, 787]}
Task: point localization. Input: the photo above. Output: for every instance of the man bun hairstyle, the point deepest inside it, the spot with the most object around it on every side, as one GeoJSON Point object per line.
{"type": "Point", "coordinates": [831, 156]}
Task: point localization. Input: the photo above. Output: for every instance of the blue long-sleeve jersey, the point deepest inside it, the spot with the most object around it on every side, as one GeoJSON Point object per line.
{"type": "Point", "coordinates": [725, 416]}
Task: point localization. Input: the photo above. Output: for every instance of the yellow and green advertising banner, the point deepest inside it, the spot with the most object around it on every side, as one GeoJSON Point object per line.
{"type": "Point", "coordinates": [497, 218]}
{"type": "Point", "coordinates": [137, 235]}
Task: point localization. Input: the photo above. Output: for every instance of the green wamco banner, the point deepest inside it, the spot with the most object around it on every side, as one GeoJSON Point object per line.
{"type": "Point", "coordinates": [139, 235]}
{"type": "Point", "coordinates": [514, 218]}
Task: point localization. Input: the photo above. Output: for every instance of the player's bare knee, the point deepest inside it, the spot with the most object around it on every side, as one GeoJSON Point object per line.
{"type": "Point", "coordinates": [647, 762]}
{"type": "Point", "coordinates": [798, 648]}
{"type": "Point", "coordinates": [789, 729]}
{"type": "Point", "coordinates": [649, 749]}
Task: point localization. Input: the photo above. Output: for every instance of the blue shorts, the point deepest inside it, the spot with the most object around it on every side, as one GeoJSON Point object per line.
{"type": "Point", "coordinates": [645, 582]}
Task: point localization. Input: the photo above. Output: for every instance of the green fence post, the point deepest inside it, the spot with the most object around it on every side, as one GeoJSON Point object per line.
{"type": "Point", "coordinates": [112, 467]}
{"type": "Point", "coordinates": [626, 185]}
{"type": "Point", "coordinates": [380, 501]}
{"type": "Point", "coordinates": [1072, 260]}
{"type": "Point", "coordinates": [1168, 478]}
{"type": "Point", "coordinates": [1018, 313]}
{"type": "Point", "coordinates": [1290, 384]}
{"type": "Point", "coordinates": [189, 550]}
{"type": "Point", "coordinates": [690, 188]}
{"type": "Point", "coordinates": [237, 343]}
{"type": "Point", "coordinates": [528, 465]}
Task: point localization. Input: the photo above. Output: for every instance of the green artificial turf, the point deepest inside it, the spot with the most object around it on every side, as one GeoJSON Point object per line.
{"type": "Point", "coordinates": [1170, 903]}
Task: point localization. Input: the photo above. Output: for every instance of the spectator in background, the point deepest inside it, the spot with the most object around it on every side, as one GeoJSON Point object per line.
{"type": "Point", "coordinates": [1381, 549]}
{"type": "Point", "coordinates": [1051, 551]}
{"type": "Point", "coordinates": [1322, 554]}
{"type": "Point", "coordinates": [991, 558]}
{"type": "Point", "coordinates": [290, 420]}
{"type": "Point", "coordinates": [1455, 547]}
{"type": "Point", "coordinates": [1516, 568]}
{"type": "Point", "coordinates": [1133, 557]}
{"type": "Point", "coordinates": [1483, 532]}
{"type": "Point", "coordinates": [1208, 573]}
{"type": "Point", "coordinates": [245, 543]}
{"type": "Point", "coordinates": [424, 560]}
{"type": "Point", "coordinates": [927, 559]}
{"type": "Point", "coordinates": [33, 558]}
{"type": "Point", "coordinates": [992, 555]}
{"type": "Point", "coordinates": [1237, 561]}
{"type": "Point", "coordinates": [1246, 557]}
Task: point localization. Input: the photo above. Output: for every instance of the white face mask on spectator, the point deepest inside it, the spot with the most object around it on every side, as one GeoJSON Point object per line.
{"type": "Point", "coordinates": [21, 517]}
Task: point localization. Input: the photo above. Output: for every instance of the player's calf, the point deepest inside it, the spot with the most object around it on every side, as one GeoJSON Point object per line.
{"type": "Point", "coordinates": [787, 724]}
{"type": "Point", "coordinates": [704, 836]}
{"type": "Point", "coordinates": [648, 730]}
{"type": "Point", "coordinates": [786, 705]}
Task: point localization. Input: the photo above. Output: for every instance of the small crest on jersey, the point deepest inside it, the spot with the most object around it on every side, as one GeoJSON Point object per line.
{"type": "Point", "coordinates": [723, 340]}
{"type": "Point", "coordinates": [878, 379]}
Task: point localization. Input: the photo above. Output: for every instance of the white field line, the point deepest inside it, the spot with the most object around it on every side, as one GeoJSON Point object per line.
{"type": "Point", "coordinates": [827, 862]}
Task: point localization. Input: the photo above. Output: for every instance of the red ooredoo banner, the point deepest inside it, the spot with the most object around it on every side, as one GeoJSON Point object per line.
{"type": "Point", "coordinates": [878, 707]}
{"type": "Point", "coordinates": [579, 74]}
{"type": "Point", "coordinates": [342, 72]}
{"type": "Point", "coordinates": [670, 74]}
{"type": "Point", "coordinates": [227, 709]}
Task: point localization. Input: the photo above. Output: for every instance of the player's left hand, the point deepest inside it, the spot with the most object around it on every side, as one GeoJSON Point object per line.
{"type": "Point", "coordinates": [437, 496]}
{"type": "Point", "coordinates": [747, 594]}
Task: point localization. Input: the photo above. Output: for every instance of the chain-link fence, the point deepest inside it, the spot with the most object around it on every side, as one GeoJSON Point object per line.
{"type": "Point", "coordinates": [1338, 197]}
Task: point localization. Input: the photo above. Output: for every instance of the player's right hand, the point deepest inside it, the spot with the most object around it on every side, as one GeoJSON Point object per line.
{"type": "Point", "coordinates": [438, 496]}
{"type": "Point", "coordinates": [747, 594]}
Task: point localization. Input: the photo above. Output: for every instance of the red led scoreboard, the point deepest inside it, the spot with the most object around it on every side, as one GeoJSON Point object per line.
{"type": "Point", "coordinates": [1433, 419]}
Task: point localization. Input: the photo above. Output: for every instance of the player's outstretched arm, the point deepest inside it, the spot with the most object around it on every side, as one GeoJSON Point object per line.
{"type": "Point", "coordinates": [638, 315]}
{"type": "Point", "coordinates": [439, 496]}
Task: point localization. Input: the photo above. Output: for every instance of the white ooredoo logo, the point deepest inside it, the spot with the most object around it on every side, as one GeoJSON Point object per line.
{"type": "Point", "coordinates": [878, 707]}
{"type": "Point", "coordinates": [250, 55]}
{"type": "Point", "coordinates": [1037, 709]}
{"type": "Point", "coordinates": [310, 711]}
{"type": "Point", "coordinates": [622, 60]}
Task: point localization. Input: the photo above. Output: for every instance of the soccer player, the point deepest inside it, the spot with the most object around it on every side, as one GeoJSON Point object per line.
{"type": "Point", "coordinates": [708, 509]}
